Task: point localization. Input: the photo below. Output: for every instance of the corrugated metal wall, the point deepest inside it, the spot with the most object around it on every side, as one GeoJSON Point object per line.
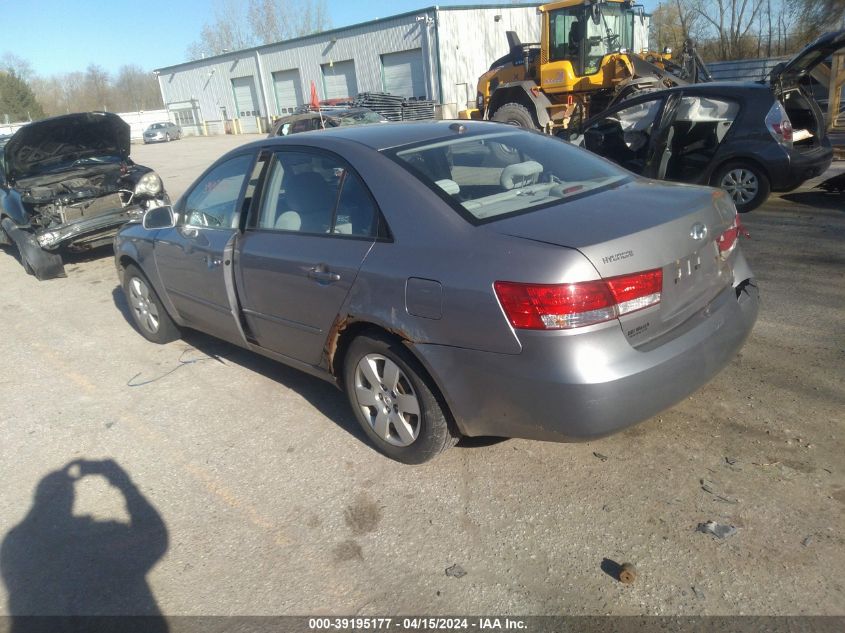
{"type": "Point", "coordinates": [472, 39]}
{"type": "Point", "coordinates": [744, 69]}
{"type": "Point", "coordinates": [363, 44]}
{"type": "Point", "coordinates": [468, 39]}
{"type": "Point", "coordinates": [209, 82]}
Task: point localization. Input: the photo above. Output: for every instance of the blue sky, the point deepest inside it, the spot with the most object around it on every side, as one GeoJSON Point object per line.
{"type": "Point", "coordinates": [58, 36]}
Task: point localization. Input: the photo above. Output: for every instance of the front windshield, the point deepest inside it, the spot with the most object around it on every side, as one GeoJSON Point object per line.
{"type": "Point", "coordinates": [495, 175]}
{"type": "Point", "coordinates": [574, 31]}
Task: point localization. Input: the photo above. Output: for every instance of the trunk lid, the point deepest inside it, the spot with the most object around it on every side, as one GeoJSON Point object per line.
{"type": "Point", "coordinates": [642, 226]}
{"type": "Point", "coordinates": [788, 73]}
{"type": "Point", "coordinates": [36, 146]}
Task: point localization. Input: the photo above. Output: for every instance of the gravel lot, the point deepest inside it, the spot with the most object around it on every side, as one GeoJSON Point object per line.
{"type": "Point", "coordinates": [273, 503]}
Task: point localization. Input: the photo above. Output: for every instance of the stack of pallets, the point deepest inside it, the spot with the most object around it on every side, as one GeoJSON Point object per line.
{"type": "Point", "coordinates": [417, 110]}
{"type": "Point", "coordinates": [387, 105]}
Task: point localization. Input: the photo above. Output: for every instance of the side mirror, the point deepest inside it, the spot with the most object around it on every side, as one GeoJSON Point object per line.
{"type": "Point", "coordinates": [159, 218]}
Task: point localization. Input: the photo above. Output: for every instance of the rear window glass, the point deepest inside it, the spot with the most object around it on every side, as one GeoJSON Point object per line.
{"type": "Point", "coordinates": [493, 175]}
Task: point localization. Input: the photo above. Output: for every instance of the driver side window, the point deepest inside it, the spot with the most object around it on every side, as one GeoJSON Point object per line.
{"type": "Point", "coordinates": [213, 201]}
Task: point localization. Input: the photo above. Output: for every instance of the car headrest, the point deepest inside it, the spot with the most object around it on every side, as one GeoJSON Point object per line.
{"type": "Point", "coordinates": [289, 221]}
{"type": "Point", "coordinates": [520, 174]}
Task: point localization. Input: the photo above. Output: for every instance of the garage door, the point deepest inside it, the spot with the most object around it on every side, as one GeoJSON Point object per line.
{"type": "Point", "coordinates": [339, 80]}
{"type": "Point", "coordinates": [246, 103]}
{"type": "Point", "coordinates": [288, 90]}
{"type": "Point", "coordinates": [403, 74]}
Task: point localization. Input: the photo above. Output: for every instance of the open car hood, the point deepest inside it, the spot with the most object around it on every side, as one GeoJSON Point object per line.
{"type": "Point", "coordinates": [808, 58]}
{"type": "Point", "coordinates": [59, 139]}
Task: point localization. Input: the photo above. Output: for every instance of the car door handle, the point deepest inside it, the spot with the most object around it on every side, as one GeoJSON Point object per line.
{"type": "Point", "coordinates": [323, 275]}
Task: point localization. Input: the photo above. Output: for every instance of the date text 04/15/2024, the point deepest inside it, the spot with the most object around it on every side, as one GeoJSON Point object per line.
{"type": "Point", "coordinates": [416, 624]}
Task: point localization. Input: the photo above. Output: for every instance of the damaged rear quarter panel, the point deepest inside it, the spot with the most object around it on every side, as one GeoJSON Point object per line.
{"type": "Point", "coordinates": [430, 241]}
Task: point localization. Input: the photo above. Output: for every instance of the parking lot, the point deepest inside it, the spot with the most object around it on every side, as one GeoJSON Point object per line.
{"type": "Point", "coordinates": [255, 493]}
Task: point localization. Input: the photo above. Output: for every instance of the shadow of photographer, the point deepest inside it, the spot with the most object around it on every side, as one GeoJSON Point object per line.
{"type": "Point", "coordinates": [56, 564]}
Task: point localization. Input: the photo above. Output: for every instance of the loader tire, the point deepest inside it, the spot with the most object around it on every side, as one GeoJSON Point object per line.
{"type": "Point", "coordinates": [515, 114]}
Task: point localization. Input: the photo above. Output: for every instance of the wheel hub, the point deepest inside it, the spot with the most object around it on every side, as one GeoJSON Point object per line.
{"type": "Point", "coordinates": [387, 400]}
{"type": "Point", "coordinates": [741, 185]}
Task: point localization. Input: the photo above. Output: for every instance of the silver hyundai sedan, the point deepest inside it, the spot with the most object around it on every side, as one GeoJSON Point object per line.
{"type": "Point", "coordinates": [455, 279]}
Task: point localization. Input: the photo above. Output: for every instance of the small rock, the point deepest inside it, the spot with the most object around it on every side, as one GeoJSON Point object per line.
{"type": "Point", "coordinates": [730, 461]}
{"type": "Point", "coordinates": [600, 456]}
{"type": "Point", "coordinates": [698, 592]}
{"type": "Point", "coordinates": [456, 571]}
{"type": "Point", "coordinates": [717, 530]}
{"type": "Point", "coordinates": [806, 542]}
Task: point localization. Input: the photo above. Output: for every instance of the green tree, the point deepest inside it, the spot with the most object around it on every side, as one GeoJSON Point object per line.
{"type": "Point", "coordinates": [17, 101]}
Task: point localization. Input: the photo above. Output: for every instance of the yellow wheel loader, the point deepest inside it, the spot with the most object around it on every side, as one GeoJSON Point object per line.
{"type": "Point", "coordinates": [592, 54]}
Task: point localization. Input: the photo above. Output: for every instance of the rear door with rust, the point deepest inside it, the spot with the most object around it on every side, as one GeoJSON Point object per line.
{"type": "Point", "coordinates": [301, 253]}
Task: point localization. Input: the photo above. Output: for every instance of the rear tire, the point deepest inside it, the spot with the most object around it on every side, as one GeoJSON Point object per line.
{"type": "Point", "coordinates": [394, 401]}
{"type": "Point", "coordinates": [149, 315]}
{"type": "Point", "coordinates": [745, 182]}
{"type": "Point", "coordinates": [515, 114]}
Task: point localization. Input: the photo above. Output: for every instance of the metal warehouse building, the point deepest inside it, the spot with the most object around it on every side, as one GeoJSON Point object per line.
{"type": "Point", "coordinates": [435, 53]}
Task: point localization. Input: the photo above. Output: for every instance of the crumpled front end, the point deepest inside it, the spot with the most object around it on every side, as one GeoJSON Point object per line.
{"type": "Point", "coordinates": [77, 211]}
{"type": "Point", "coordinates": [85, 212]}
{"type": "Point", "coordinates": [87, 232]}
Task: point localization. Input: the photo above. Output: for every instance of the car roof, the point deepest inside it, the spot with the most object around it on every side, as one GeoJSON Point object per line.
{"type": "Point", "coordinates": [387, 135]}
{"type": "Point", "coordinates": [723, 87]}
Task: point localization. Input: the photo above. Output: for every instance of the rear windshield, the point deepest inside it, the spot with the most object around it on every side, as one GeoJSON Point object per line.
{"type": "Point", "coordinates": [359, 118]}
{"type": "Point", "coordinates": [500, 174]}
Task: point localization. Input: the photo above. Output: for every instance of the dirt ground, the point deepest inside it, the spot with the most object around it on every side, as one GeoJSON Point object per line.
{"type": "Point", "coordinates": [239, 486]}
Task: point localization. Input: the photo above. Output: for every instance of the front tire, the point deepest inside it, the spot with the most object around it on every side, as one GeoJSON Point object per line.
{"type": "Point", "coordinates": [167, 137]}
{"type": "Point", "coordinates": [394, 401]}
{"type": "Point", "coordinates": [745, 182]}
{"type": "Point", "coordinates": [515, 114]}
{"type": "Point", "coordinates": [149, 315]}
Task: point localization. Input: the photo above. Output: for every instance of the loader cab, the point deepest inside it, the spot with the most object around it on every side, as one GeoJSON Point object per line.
{"type": "Point", "coordinates": [583, 34]}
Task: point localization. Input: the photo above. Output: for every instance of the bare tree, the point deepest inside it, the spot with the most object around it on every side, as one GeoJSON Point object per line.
{"type": "Point", "coordinates": [228, 31]}
{"type": "Point", "coordinates": [135, 89]}
{"type": "Point", "coordinates": [814, 17]}
{"type": "Point", "coordinates": [20, 67]}
{"type": "Point", "coordinates": [733, 21]}
{"type": "Point", "coordinates": [97, 86]}
{"type": "Point", "coordinates": [264, 22]}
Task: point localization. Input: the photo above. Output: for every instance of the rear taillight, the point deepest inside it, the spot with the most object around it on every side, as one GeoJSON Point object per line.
{"type": "Point", "coordinates": [565, 306]}
{"type": "Point", "coordinates": [727, 241]}
{"type": "Point", "coordinates": [779, 125]}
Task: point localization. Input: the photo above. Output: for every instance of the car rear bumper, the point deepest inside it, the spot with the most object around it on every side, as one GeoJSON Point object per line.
{"type": "Point", "coordinates": [565, 387]}
{"type": "Point", "coordinates": [802, 167]}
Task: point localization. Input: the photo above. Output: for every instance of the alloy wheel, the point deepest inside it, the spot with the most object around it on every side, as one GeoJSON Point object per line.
{"type": "Point", "coordinates": [387, 400]}
{"type": "Point", "coordinates": [143, 308]}
{"type": "Point", "coordinates": [741, 184]}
